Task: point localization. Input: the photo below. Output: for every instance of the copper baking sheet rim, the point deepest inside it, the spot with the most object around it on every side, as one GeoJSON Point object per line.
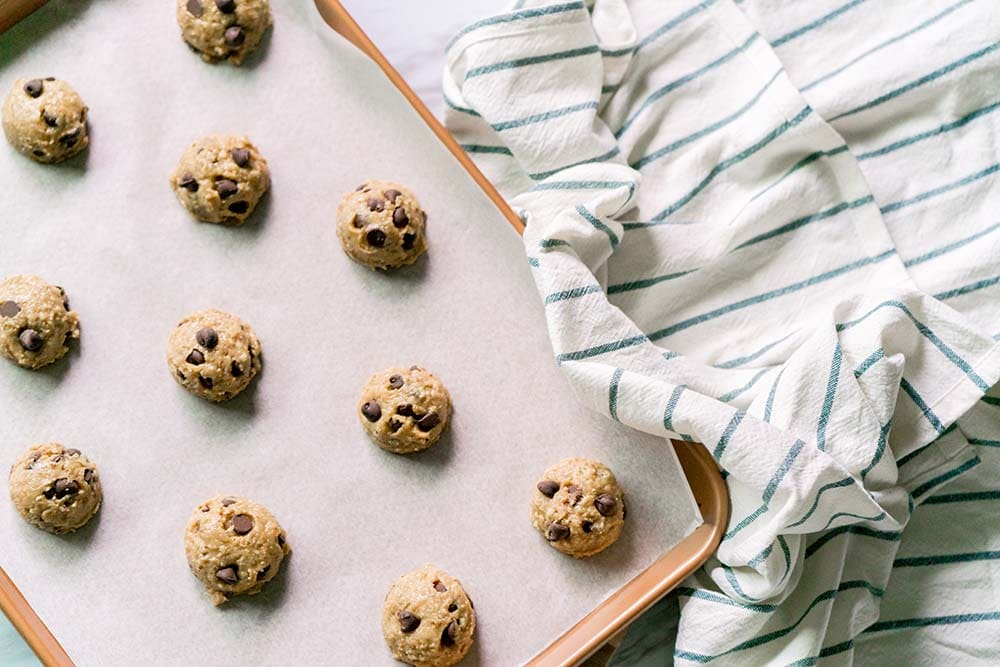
{"type": "Point", "coordinates": [612, 615]}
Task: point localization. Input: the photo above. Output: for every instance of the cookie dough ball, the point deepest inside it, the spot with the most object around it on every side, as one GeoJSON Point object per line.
{"type": "Point", "coordinates": [54, 488]}
{"type": "Point", "coordinates": [45, 119]}
{"type": "Point", "coordinates": [223, 29]}
{"type": "Point", "coordinates": [234, 546]}
{"type": "Point", "coordinates": [381, 225]}
{"type": "Point", "coordinates": [428, 620]}
{"type": "Point", "coordinates": [221, 178]}
{"type": "Point", "coordinates": [404, 410]}
{"type": "Point", "coordinates": [213, 354]}
{"type": "Point", "coordinates": [578, 507]}
{"type": "Point", "coordinates": [35, 321]}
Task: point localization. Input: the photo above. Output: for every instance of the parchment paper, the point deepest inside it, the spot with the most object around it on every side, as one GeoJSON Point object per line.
{"type": "Point", "coordinates": [107, 228]}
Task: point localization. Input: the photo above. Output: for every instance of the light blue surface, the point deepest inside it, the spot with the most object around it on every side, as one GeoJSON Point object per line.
{"type": "Point", "coordinates": [14, 652]}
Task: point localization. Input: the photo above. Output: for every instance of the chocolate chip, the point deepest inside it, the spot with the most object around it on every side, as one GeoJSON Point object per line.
{"type": "Point", "coordinates": [69, 139]}
{"type": "Point", "coordinates": [396, 381]}
{"type": "Point", "coordinates": [226, 188]}
{"type": "Point", "coordinates": [50, 78]}
{"type": "Point", "coordinates": [399, 218]}
{"type": "Point", "coordinates": [49, 120]}
{"type": "Point", "coordinates": [605, 504]}
{"type": "Point", "coordinates": [375, 204]}
{"type": "Point", "coordinates": [181, 375]}
{"type": "Point", "coordinates": [556, 532]}
{"type": "Point", "coordinates": [241, 156]}
{"type": "Point", "coordinates": [66, 487]}
{"type": "Point", "coordinates": [281, 540]}
{"type": "Point", "coordinates": [207, 337]}
{"type": "Point", "coordinates": [395, 425]}
{"type": "Point", "coordinates": [263, 573]}
{"type": "Point", "coordinates": [356, 221]}
{"type": "Point", "coordinates": [375, 238]}
{"type": "Point", "coordinates": [9, 309]}
{"type": "Point", "coordinates": [440, 588]}
{"type": "Point", "coordinates": [405, 410]}
{"type": "Point", "coordinates": [188, 182]}
{"type": "Point", "coordinates": [195, 9]}
{"type": "Point", "coordinates": [408, 240]}
{"type": "Point", "coordinates": [449, 634]}
{"type": "Point", "coordinates": [226, 6]}
{"type": "Point", "coordinates": [391, 195]}
{"type": "Point", "coordinates": [227, 574]}
{"type": "Point", "coordinates": [88, 475]}
{"type": "Point", "coordinates": [575, 493]}
{"type": "Point", "coordinates": [34, 87]}
{"type": "Point", "coordinates": [372, 411]}
{"type": "Point", "coordinates": [235, 36]}
{"type": "Point", "coordinates": [239, 207]}
{"type": "Point", "coordinates": [31, 340]}
{"type": "Point", "coordinates": [242, 524]}
{"type": "Point", "coordinates": [196, 358]}
{"type": "Point", "coordinates": [408, 622]}
{"type": "Point", "coordinates": [453, 607]}
{"type": "Point", "coordinates": [57, 459]}
{"type": "Point", "coordinates": [205, 382]}
{"type": "Point", "coordinates": [547, 487]}
{"type": "Point", "coordinates": [587, 526]}
{"type": "Point", "coordinates": [235, 369]}
{"type": "Point", "coordinates": [72, 452]}
{"type": "Point", "coordinates": [361, 187]}
{"type": "Point", "coordinates": [429, 421]}
{"type": "Point", "coordinates": [226, 502]}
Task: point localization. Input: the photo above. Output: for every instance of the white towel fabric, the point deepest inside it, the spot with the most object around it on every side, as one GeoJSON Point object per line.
{"type": "Point", "coordinates": [774, 228]}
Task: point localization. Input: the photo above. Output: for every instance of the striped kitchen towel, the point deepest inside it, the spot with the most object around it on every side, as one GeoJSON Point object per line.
{"type": "Point", "coordinates": [774, 228]}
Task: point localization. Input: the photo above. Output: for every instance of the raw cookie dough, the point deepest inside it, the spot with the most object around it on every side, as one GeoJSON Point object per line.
{"type": "Point", "coordinates": [428, 620]}
{"type": "Point", "coordinates": [404, 410]}
{"type": "Point", "coordinates": [35, 321]}
{"type": "Point", "coordinates": [45, 119]}
{"type": "Point", "coordinates": [54, 488]}
{"type": "Point", "coordinates": [578, 507]}
{"type": "Point", "coordinates": [381, 225]}
{"type": "Point", "coordinates": [234, 546]}
{"type": "Point", "coordinates": [221, 178]}
{"type": "Point", "coordinates": [213, 354]}
{"type": "Point", "coordinates": [223, 29]}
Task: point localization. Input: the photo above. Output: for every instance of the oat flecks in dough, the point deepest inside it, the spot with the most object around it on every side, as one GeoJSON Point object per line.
{"type": "Point", "coordinates": [404, 410]}
{"type": "Point", "coordinates": [223, 29]}
{"type": "Point", "coordinates": [221, 178]}
{"type": "Point", "coordinates": [234, 546]}
{"type": "Point", "coordinates": [55, 488]}
{"type": "Point", "coordinates": [578, 507]}
{"type": "Point", "coordinates": [381, 225]}
{"type": "Point", "coordinates": [35, 321]}
{"type": "Point", "coordinates": [213, 354]}
{"type": "Point", "coordinates": [428, 620]}
{"type": "Point", "coordinates": [45, 119]}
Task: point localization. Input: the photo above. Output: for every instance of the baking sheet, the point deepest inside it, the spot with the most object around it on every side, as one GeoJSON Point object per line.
{"type": "Point", "coordinates": [107, 228]}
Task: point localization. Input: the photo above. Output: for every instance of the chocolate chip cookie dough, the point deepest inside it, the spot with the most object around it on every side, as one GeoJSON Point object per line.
{"type": "Point", "coordinates": [213, 354]}
{"type": "Point", "coordinates": [234, 546]}
{"type": "Point", "coordinates": [45, 119]}
{"type": "Point", "coordinates": [223, 29]}
{"type": "Point", "coordinates": [578, 507]}
{"type": "Point", "coordinates": [54, 488]}
{"type": "Point", "coordinates": [221, 179]}
{"type": "Point", "coordinates": [381, 225]}
{"type": "Point", "coordinates": [404, 410]}
{"type": "Point", "coordinates": [35, 321]}
{"type": "Point", "coordinates": [428, 620]}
